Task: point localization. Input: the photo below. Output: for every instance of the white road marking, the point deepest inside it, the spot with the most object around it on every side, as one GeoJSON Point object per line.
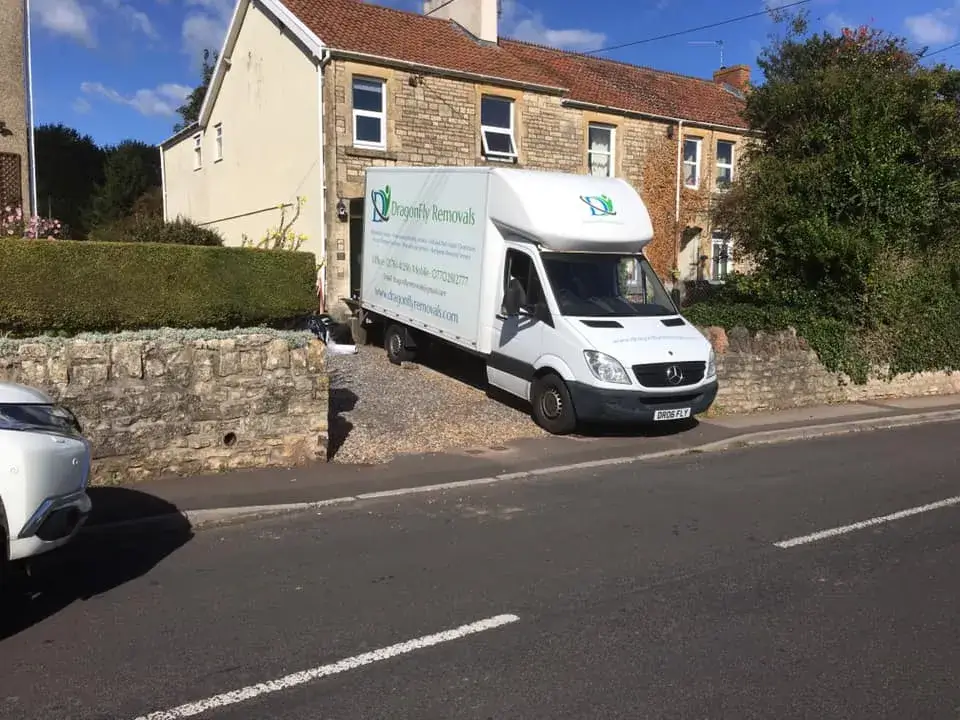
{"type": "Point", "coordinates": [352, 663]}
{"type": "Point", "coordinates": [833, 532]}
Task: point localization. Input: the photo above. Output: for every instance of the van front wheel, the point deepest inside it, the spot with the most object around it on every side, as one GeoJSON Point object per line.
{"type": "Point", "coordinates": [552, 406]}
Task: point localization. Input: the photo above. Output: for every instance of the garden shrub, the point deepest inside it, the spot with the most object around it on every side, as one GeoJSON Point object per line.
{"type": "Point", "coordinates": [141, 228]}
{"type": "Point", "coordinates": [51, 286]}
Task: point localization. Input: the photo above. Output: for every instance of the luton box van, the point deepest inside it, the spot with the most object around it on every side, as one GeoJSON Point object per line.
{"type": "Point", "coordinates": [541, 274]}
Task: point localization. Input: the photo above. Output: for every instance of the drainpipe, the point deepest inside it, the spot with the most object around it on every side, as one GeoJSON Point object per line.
{"type": "Point", "coordinates": [677, 202]}
{"type": "Point", "coordinates": [31, 142]}
{"type": "Point", "coordinates": [323, 60]}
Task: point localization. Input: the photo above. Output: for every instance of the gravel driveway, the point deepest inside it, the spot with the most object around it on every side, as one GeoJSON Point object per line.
{"type": "Point", "coordinates": [379, 410]}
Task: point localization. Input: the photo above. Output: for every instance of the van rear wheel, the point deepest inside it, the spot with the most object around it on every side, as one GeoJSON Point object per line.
{"type": "Point", "coordinates": [552, 405]}
{"type": "Point", "coordinates": [395, 343]}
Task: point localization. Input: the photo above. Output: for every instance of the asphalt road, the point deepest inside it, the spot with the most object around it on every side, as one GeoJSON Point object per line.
{"type": "Point", "coordinates": [643, 591]}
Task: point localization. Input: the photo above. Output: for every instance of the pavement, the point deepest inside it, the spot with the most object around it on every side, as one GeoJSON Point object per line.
{"type": "Point", "coordinates": [812, 579]}
{"type": "Point", "coordinates": [232, 496]}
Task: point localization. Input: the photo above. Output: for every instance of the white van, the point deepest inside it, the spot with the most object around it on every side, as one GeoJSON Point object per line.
{"type": "Point", "coordinates": [44, 469]}
{"type": "Point", "coordinates": [542, 274]}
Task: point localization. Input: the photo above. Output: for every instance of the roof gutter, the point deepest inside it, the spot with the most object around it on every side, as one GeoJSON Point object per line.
{"type": "Point", "coordinates": [444, 72]}
{"type": "Point", "coordinates": [661, 118]}
{"type": "Point", "coordinates": [177, 136]}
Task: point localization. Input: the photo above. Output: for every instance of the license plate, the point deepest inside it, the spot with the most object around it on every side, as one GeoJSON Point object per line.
{"type": "Point", "coordinates": [676, 414]}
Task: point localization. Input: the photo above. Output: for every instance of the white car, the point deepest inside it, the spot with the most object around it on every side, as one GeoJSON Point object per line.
{"type": "Point", "coordinates": [44, 470]}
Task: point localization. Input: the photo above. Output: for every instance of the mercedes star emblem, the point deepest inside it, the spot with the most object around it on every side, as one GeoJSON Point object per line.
{"type": "Point", "coordinates": [674, 375]}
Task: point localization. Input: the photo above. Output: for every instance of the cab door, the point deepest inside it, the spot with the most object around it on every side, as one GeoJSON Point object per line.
{"type": "Point", "coordinates": [517, 340]}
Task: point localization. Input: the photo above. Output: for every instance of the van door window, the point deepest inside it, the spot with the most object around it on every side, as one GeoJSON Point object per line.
{"type": "Point", "coordinates": [520, 266]}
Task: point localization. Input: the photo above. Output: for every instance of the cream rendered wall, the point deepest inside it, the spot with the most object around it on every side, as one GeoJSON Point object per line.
{"type": "Point", "coordinates": [269, 109]}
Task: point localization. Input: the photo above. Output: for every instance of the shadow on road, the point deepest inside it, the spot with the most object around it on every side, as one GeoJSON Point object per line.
{"type": "Point", "coordinates": [342, 400]}
{"type": "Point", "coordinates": [96, 562]}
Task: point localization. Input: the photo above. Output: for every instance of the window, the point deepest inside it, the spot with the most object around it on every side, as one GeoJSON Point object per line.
{"type": "Point", "coordinates": [724, 164]}
{"type": "Point", "coordinates": [197, 151]}
{"type": "Point", "coordinates": [11, 187]}
{"type": "Point", "coordinates": [369, 113]}
{"type": "Point", "coordinates": [600, 150]}
{"type": "Point", "coordinates": [496, 128]}
{"type": "Point", "coordinates": [218, 128]}
{"type": "Point", "coordinates": [519, 267]}
{"type": "Point", "coordinates": [691, 162]}
{"type": "Point", "coordinates": [721, 256]}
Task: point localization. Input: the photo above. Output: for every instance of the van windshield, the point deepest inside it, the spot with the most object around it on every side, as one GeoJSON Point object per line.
{"type": "Point", "coordinates": [598, 285]}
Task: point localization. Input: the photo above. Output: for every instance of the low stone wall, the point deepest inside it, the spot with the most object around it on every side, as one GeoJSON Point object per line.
{"type": "Point", "coordinates": [168, 402]}
{"type": "Point", "coordinates": [777, 371]}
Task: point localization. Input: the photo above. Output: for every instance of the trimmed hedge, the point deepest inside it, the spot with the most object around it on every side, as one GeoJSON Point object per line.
{"type": "Point", "coordinates": [63, 286]}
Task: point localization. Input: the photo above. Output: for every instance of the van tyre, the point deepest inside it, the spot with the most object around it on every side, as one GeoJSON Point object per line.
{"type": "Point", "coordinates": [552, 405]}
{"type": "Point", "coordinates": [395, 343]}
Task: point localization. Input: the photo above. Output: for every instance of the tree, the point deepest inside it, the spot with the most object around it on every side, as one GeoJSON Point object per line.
{"type": "Point", "coordinates": [190, 110]}
{"type": "Point", "coordinates": [857, 170]}
{"type": "Point", "coordinates": [69, 168]}
{"type": "Point", "coordinates": [131, 170]}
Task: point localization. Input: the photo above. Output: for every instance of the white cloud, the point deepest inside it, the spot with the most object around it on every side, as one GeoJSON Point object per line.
{"type": "Point", "coordinates": [205, 26]}
{"type": "Point", "coordinates": [136, 19]}
{"type": "Point", "coordinates": [522, 23]}
{"type": "Point", "coordinates": [81, 106]}
{"type": "Point", "coordinates": [835, 22]}
{"type": "Point", "coordinates": [65, 17]}
{"type": "Point", "coordinates": [161, 100]}
{"type": "Point", "coordinates": [932, 28]}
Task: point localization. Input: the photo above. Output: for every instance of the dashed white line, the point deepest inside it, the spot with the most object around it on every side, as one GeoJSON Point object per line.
{"type": "Point", "coordinates": [352, 663]}
{"type": "Point", "coordinates": [833, 532]}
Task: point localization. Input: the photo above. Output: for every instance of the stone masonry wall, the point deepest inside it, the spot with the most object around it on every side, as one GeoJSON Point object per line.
{"type": "Point", "coordinates": [162, 402]}
{"type": "Point", "coordinates": [436, 121]}
{"type": "Point", "coordinates": [777, 371]}
{"type": "Point", "coordinates": [13, 107]}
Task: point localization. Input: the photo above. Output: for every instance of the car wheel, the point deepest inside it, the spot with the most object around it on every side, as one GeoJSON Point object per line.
{"type": "Point", "coordinates": [394, 342]}
{"type": "Point", "coordinates": [552, 405]}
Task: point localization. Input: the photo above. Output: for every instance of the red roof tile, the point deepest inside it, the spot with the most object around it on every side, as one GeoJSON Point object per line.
{"type": "Point", "coordinates": [361, 27]}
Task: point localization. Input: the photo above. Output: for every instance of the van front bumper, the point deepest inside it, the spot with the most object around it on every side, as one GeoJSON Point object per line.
{"type": "Point", "coordinates": [594, 404]}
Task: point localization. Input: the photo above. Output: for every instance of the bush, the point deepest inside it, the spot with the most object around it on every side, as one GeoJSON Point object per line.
{"type": "Point", "coordinates": [143, 228]}
{"type": "Point", "coordinates": [70, 287]}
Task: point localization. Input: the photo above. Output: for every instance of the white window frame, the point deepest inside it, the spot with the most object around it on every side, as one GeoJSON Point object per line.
{"type": "Point", "coordinates": [218, 142]}
{"type": "Point", "coordinates": [381, 115]}
{"type": "Point", "coordinates": [694, 163]}
{"type": "Point", "coordinates": [725, 166]}
{"type": "Point", "coordinates": [611, 155]}
{"type": "Point", "coordinates": [198, 151]}
{"type": "Point", "coordinates": [510, 131]}
{"type": "Point", "coordinates": [718, 239]}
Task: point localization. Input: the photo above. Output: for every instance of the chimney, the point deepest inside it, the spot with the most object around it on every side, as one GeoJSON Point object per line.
{"type": "Point", "coordinates": [477, 17]}
{"type": "Point", "coordinates": [737, 77]}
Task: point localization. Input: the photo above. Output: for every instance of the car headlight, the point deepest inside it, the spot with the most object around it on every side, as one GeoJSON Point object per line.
{"type": "Point", "coordinates": [606, 368]}
{"type": "Point", "coordinates": [712, 364]}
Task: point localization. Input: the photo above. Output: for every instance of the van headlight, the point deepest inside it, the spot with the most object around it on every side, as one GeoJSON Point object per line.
{"type": "Point", "coordinates": [605, 368]}
{"type": "Point", "coordinates": [712, 364]}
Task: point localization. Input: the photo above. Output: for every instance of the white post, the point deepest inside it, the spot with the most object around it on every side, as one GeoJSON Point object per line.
{"type": "Point", "coordinates": [32, 148]}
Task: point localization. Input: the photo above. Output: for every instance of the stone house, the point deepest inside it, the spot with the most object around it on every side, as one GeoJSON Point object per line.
{"type": "Point", "coordinates": [14, 125]}
{"type": "Point", "coordinates": [308, 93]}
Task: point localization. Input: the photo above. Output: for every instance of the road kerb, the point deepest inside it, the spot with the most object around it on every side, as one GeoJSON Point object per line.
{"type": "Point", "coordinates": [218, 517]}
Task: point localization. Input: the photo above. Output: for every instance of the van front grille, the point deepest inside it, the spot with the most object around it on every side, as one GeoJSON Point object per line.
{"type": "Point", "coordinates": [664, 375]}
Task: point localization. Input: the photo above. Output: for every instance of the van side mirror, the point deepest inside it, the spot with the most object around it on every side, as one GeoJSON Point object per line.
{"type": "Point", "coordinates": [514, 298]}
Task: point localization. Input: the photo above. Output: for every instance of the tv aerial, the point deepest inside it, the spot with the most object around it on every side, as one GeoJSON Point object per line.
{"type": "Point", "coordinates": [715, 43]}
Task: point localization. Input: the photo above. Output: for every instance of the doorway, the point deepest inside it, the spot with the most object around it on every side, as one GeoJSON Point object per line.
{"type": "Point", "coordinates": [356, 246]}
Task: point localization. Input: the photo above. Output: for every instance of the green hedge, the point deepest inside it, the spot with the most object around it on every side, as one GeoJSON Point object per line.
{"type": "Point", "coordinates": [65, 286]}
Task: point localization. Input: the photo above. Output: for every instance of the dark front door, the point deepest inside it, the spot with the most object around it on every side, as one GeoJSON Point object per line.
{"type": "Point", "coordinates": [356, 245]}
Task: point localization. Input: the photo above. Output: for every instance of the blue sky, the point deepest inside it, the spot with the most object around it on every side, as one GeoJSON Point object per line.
{"type": "Point", "coordinates": [118, 69]}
